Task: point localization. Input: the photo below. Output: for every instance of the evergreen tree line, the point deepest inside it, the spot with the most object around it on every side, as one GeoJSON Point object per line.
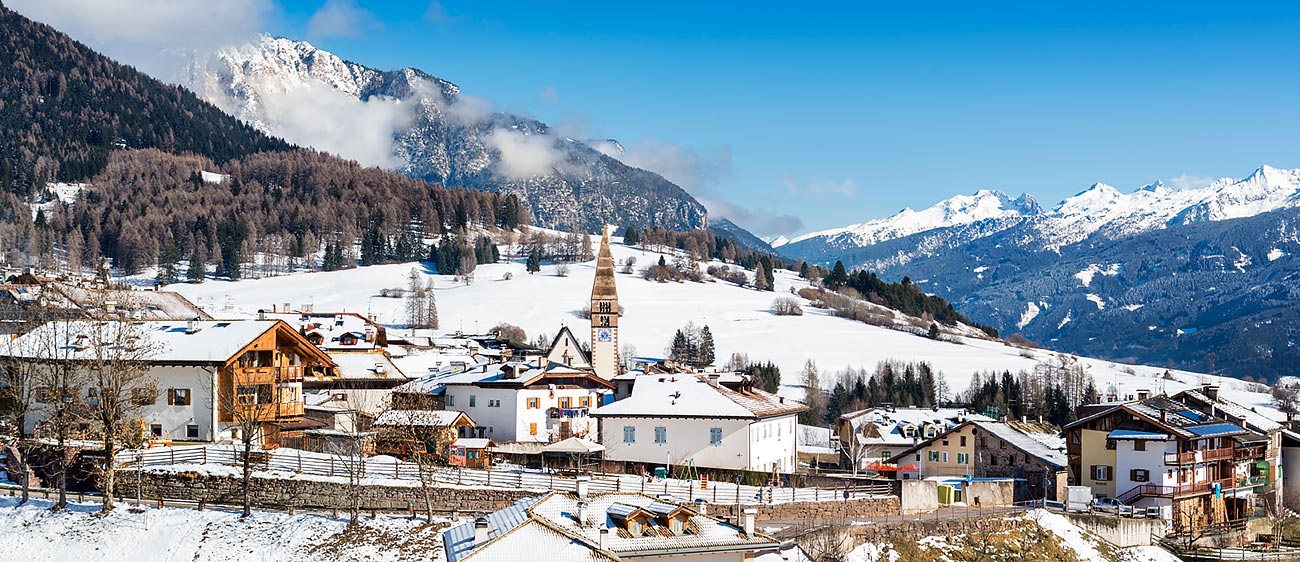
{"type": "Point", "coordinates": [700, 245]}
{"type": "Point", "coordinates": [1047, 392]}
{"type": "Point", "coordinates": [66, 108]}
{"type": "Point", "coordinates": [458, 256]}
{"type": "Point", "coordinates": [693, 346]}
{"type": "Point", "coordinates": [270, 214]}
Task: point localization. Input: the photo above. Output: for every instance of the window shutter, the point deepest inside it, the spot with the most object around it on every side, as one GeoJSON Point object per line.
{"type": "Point", "coordinates": [171, 397]}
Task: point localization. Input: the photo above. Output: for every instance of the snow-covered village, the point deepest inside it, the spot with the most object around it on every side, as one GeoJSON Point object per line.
{"type": "Point", "coordinates": [272, 288]}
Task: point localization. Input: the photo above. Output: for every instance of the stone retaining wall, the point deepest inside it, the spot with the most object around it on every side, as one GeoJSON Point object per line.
{"type": "Point", "coordinates": [301, 493]}
{"type": "Point", "coordinates": [816, 511]}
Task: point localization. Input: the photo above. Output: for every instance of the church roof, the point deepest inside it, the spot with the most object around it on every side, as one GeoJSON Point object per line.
{"type": "Point", "coordinates": [603, 288]}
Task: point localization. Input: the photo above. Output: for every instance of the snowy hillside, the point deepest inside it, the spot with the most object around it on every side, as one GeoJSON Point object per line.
{"type": "Point", "coordinates": [738, 317]}
{"type": "Point", "coordinates": [33, 534]}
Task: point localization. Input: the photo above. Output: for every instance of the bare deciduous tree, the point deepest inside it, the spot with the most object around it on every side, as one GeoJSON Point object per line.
{"type": "Point", "coordinates": [244, 408]}
{"type": "Point", "coordinates": [118, 366]}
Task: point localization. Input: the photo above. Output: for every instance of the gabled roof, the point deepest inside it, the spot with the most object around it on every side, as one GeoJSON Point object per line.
{"type": "Point", "coordinates": [1169, 416]}
{"type": "Point", "coordinates": [692, 396]}
{"type": "Point", "coordinates": [422, 418]}
{"type": "Point", "coordinates": [1014, 437]}
{"type": "Point", "coordinates": [535, 525]}
{"type": "Point", "coordinates": [564, 342]}
{"type": "Point", "coordinates": [1254, 420]}
{"type": "Point", "coordinates": [208, 342]}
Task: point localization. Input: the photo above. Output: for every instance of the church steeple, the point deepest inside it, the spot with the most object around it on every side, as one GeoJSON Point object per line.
{"type": "Point", "coordinates": [604, 313]}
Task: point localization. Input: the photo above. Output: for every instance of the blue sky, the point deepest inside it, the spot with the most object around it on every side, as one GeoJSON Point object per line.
{"type": "Point", "coordinates": [798, 118]}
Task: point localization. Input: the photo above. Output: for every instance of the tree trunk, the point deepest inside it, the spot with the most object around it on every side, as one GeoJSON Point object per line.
{"type": "Point", "coordinates": [110, 475]}
{"type": "Point", "coordinates": [63, 464]}
{"type": "Point", "coordinates": [248, 474]}
{"type": "Point", "coordinates": [425, 489]}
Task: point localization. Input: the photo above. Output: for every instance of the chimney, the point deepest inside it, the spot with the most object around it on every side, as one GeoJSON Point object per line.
{"type": "Point", "coordinates": [583, 486]}
{"type": "Point", "coordinates": [701, 506]}
{"type": "Point", "coordinates": [1024, 419]}
{"type": "Point", "coordinates": [604, 534]}
{"type": "Point", "coordinates": [747, 521]}
{"type": "Point", "coordinates": [481, 531]}
{"type": "Point", "coordinates": [1212, 391]}
{"type": "Point", "coordinates": [191, 326]}
{"type": "Point", "coordinates": [713, 379]}
{"type": "Point", "coordinates": [261, 314]}
{"type": "Point", "coordinates": [582, 513]}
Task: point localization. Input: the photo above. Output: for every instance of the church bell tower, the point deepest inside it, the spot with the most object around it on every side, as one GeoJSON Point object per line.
{"type": "Point", "coordinates": [604, 314]}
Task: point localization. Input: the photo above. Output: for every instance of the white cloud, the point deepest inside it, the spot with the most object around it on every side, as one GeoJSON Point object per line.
{"type": "Point", "coordinates": [549, 95]}
{"type": "Point", "coordinates": [322, 117]}
{"type": "Point", "coordinates": [819, 187]}
{"type": "Point", "coordinates": [758, 221]}
{"type": "Point", "coordinates": [142, 32]}
{"type": "Point", "coordinates": [438, 14]}
{"type": "Point", "coordinates": [683, 166]}
{"type": "Point", "coordinates": [1188, 181]}
{"type": "Point", "coordinates": [523, 155]}
{"type": "Point", "coordinates": [341, 18]}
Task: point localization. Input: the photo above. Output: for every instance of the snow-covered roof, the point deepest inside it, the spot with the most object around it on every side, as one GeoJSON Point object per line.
{"type": "Point", "coordinates": [366, 365]}
{"type": "Point", "coordinates": [332, 327]}
{"type": "Point", "coordinates": [685, 395]}
{"type": "Point", "coordinates": [1254, 420]}
{"type": "Point", "coordinates": [202, 341]}
{"type": "Point", "coordinates": [904, 426]}
{"type": "Point", "coordinates": [428, 418]}
{"type": "Point", "coordinates": [535, 525]}
{"type": "Point", "coordinates": [1022, 441]}
{"type": "Point", "coordinates": [473, 442]}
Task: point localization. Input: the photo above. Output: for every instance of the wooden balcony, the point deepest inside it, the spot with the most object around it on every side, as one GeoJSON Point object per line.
{"type": "Point", "coordinates": [254, 375]}
{"type": "Point", "coordinates": [292, 373]}
{"type": "Point", "coordinates": [1255, 452]}
{"type": "Point", "coordinates": [290, 410]}
{"type": "Point", "coordinates": [1193, 457]}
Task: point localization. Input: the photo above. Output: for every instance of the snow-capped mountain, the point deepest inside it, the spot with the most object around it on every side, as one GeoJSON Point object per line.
{"type": "Point", "coordinates": [1154, 274]}
{"type": "Point", "coordinates": [423, 126]}
{"type": "Point", "coordinates": [962, 209]}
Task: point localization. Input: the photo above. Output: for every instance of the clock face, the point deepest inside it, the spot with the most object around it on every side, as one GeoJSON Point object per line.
{"type": "Point", "coordinates": [604, 335]}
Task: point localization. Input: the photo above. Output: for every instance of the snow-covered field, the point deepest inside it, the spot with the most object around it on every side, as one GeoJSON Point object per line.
{"type": "Point", "coordinates": [738, 317]}
{"type": "Point", "coordinates": [31, 533]}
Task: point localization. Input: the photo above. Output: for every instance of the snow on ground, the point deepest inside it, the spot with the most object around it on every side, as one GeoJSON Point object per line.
{"type": "Point", "coordinates": [64, 193]}
{"type": "Point", "coordinates": [1275, 253]}
{"type": "Point", "coordinates": [33, 533]}
{"type": "Point", "coordinates": [1085, 276]}
{"type": "Point", "coordinates": [212, 177]}
{"type": "Point", "coordinates": [1031, 312]}
{"type": "Point", "coordinates": [1097, 300]}
{"type": "Point", "coordinates": [740, 319]}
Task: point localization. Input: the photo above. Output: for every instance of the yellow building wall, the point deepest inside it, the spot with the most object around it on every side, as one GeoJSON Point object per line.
{"type": "Point", "coordinates": [954, 446]}
{"type": "Point", "coordinates": [1094, 452]}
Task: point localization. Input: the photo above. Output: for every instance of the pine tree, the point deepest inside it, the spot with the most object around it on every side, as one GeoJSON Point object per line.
{"type": "Point", "coordinates": [631, 237]}
{"type": "Point", "coordinates": [706, 354]}
{"type": "Point", "coordinates": [934, 331]}
{"type": "Point", "coordinates": [837, 278]}
{"type": "Point", "coordinates": [534, 262]}
{"type": "Point", "coordinates": [197, 269]}
{"type": "Point", "coordinates": [679, 351]}
{"type": "Point", "coordinates": [586, 254]}
{"type": "Point", "coordinates": [813, 397]}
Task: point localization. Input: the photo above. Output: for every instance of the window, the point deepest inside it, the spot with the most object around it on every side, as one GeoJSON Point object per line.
{"type": "Point", "coordinates": [933, 456]}
{"type": "Point", "coordinates": [1100, 473]}
{"type": "Point", "coordinates": [1110, 444]}
{"type": "Point", "coordinates": [629, 434]}
{"type": "Point", "coordinates": [534, 403]}
{"type": "Point", "coordinates": [45, 395]}
{"type": "Point", "coordinates": [945, 442]}
{"type": "Point", "coordinates": [1002, 444]}
{"type": "Point", "coordinates": [532, 429]}
{"type": "Point", "coordinates": [566, 402]}
{"type": "Point", "coordinates": [1139, 445]}
{"type": "Point", "coordinates": [584, 402]}
{"type": "Point", "coordinates": [715, 436]}
{"type": "Point", "coordinates": [1138, 474]}
{"type": "Point", "coordinates": [246, 395]}
{"type": "Point", "coordinates": [675, 525]}
{"type": "Point", "coordinates": [661, 435]}
{"type": "Point", "coordinates": [472, 400]}
{"type": "Point", "coordinates": [191, 431]}
{"type": "Point", "coordinates": [155, 430]}
{"type": "Point", "coordinates": [993, 460]}
{"type": "Point", "coordinates": [963, 458]}
{"type": "Point", "coordinates": [963, 441]}
{"type": "Point", "coordinates": [945, 456]}
{"type": "Point", "coordinates": [451, 400]}
{"type": "Point", "coordinates": [179, 397]}
{"type": "Point", "coordinates": [884, 456]}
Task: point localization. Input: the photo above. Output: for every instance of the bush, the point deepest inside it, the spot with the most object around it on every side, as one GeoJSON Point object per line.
{"type": "Point", "coordinates": [786, 306]}
{"type": "Point", "coordinates": [562, 270]}
{"type": "Point", "coordinates": [392, 293]}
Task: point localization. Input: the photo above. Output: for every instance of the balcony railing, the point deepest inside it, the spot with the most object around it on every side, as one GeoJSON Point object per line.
{"type": "Point", "coordinates": [292, 373]}
{"type": "Point", "coordinates": [290, 410]}
{"type": "Point", "coordinates": [1255, 452]}
{"type": "Point", "coordinates": [1193, 457]}
{"type": "Point", "coordinates": [1183, 490]}
{"type": "Point", "coordinates": [268, 375]}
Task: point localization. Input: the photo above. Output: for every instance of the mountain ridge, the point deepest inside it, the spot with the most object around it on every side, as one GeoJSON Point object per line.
{"type": "Point", "coordinates": [439, 134]}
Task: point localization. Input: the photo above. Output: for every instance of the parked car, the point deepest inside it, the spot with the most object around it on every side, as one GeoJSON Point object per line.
{"type": "Point", "coordinates": [1113, 506]}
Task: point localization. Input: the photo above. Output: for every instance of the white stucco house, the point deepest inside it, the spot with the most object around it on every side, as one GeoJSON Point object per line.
{"type": "Point", "coordinates": [711, 421]}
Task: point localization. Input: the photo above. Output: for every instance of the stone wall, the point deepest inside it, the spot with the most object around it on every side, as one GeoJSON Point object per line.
{"type": "Point", "coordinates": [298, 493]}
{"type": "Point", "coordinates": [816, 511]}
{"type": "Point", "coordinates": [922, 528]}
